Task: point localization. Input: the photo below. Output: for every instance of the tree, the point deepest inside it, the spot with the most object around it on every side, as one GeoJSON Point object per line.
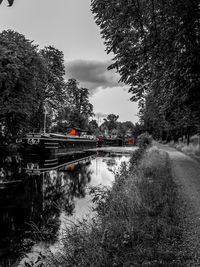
{"type": "Point", "coordinates": [53, 90]}
{"type": "Point", "coordinates": [60, 123]}
{"type": "Point", "coordinates": [31, 80]}
{"type": "Point", "coordinates": [21, 73]}
{"type": "Point", "coordinates": [54, 84]}
{"type": "Point", "coordinates": [123, 127]}
{"type": "Point", "coordinates": [156, 47]}
{"type": "Point", "coordinates": [93, 126]}
{"type": "Point", "coordinates": [80, 107]}
{"type": "Point", "coordinates": [111, 122]}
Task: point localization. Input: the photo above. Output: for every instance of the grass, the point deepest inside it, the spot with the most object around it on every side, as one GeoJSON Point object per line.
{"type": "Point", "coordinates": [192, 149]}
{"type": "Point", "coordinates": [137, 222]}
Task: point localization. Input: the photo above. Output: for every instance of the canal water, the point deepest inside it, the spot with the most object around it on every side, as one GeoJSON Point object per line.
{"type": "Point", "coordinates": [38, 199]}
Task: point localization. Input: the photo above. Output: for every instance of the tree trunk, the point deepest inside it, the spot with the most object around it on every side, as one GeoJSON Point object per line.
{"type": "Point", "coordinates": [188, 136]}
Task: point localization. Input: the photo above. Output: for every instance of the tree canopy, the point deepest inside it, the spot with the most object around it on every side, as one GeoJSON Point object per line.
{"type": "Point", "coordinates": [32, 83]}
{"type": "Point", "coordinates": [21, 74]}
{"type": "Point", "coordinates": [111, 122]}
{"type": "Point", "coordinates": [76, 108]}
{"type": "Point", "coordinates": [80, 107]}
{"type": "Point", "coordinates": [157, 53]}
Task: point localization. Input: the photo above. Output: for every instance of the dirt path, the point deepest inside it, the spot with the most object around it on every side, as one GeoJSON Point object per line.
{"type": "Point", "coordinates": [186, 172]}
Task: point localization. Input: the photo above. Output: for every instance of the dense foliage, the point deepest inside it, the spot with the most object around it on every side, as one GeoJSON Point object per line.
{"type": "Point", "coordinates": [76, 110]}
{"type": "Point", "coordinates": [157, 53]}
{"type": "Point", "coordinates": [22, 73]}
{"type": "Point", "coordinates": [144, 140]}
{"type": "Point", "coordinates": [113, 127]}
{"type": "Point", "coordinates": [31, 84]}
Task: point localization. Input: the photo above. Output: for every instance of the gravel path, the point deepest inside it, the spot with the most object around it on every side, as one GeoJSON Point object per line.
{"type": "Point", "coordinates": [186, 172]}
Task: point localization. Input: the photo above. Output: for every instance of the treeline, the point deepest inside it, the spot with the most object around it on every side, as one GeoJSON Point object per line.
{"type": "Point", "coordinates": [157, 53]}
{"type": "Point", "coordinates": [111, 127]}
{"type": "Point", "coordinates": [32, 83]}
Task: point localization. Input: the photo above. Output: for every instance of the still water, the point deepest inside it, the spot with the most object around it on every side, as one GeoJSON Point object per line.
{"type": "Point", "coordinates": [38, 196]}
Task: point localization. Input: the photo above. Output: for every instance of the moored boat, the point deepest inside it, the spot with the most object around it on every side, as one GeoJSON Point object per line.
{"type": "Point", "coordinates": [59, 144]}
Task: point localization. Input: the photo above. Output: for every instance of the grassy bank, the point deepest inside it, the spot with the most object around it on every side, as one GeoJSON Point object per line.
{"type": "Point", "coordinates": [192, 149]}
{"type": "Point", "coordinates": [137, 222]}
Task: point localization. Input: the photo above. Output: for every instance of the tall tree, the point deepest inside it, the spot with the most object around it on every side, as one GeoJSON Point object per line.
{"type": "Point", "coordinates": [31, 80]}
{"type": "Point", "coordinates": [93, 126]}
{"type": "Point", "coordinates": [76, 109]}
{"type": "Point", "coordinates": [53, 90]}
{"type": "Point", "coordinates": [54, 84]}
{"type": "Point", "coordinates": [21, 70]}
{"type": "Point", "coordinates": [111, 122]}
{"type": "Point", "coordinates": [157, 53]}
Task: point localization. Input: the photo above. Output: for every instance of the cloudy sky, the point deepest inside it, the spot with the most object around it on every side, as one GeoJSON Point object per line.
{"type": "Point", "coordinates": [69, 26]}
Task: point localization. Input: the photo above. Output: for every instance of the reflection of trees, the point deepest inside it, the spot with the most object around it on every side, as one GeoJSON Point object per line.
{"type": "Point", "coordinates": [10, 168]}
{"type": "Point", "coordinates": [79, 177]}
{"type": "Point", "coordinates": [111, 162]}
{"type": "Point", "coordinates": [33, 209]}
{"type": "Point", "coordinates": [60, 190]}
{"type": "Point", "coordinates": [19, 205]}
{"type": "Point", "coordinates": [74, 183]}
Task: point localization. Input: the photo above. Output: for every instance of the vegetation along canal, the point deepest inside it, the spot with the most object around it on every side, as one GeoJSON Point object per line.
{"type": "Point", "coordinates": [39, 202]}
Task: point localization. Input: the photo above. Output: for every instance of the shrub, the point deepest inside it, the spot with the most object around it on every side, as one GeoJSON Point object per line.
{"type": "Point", "coordinates": [191, 149]}
{"type": "Point", "coordinates": [194, 139]}
{"type": "Point", "coordinates": [144, 140]}
{"type": "Point", "coordinates": [136, 158]}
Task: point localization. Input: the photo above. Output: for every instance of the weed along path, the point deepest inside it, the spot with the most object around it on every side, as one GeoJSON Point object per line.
{"type": "Point", "coordinates": [186, 172]}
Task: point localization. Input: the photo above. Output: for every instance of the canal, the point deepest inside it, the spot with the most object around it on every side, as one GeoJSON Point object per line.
{"type": "Point", "coordinates": [37, 199]}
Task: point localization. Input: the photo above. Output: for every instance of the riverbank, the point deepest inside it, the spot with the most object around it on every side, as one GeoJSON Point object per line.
{"type": "Point", "coordinates": [137, 222]}
{"type": "Point", "coordinates": [122, 149]}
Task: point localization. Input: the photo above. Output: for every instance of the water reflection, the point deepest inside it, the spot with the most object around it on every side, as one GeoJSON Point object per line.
{"type": "Point", "coordinates": [10, 168]}
{"type": "Point", "coordinates": [44, 192]}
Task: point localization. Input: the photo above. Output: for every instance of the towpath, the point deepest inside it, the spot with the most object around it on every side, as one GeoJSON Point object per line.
{"type": "Point", "coordinates": [186, 172]}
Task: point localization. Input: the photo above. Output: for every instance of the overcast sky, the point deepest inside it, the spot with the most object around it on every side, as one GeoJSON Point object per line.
{"type": "Point", "coordinates": [69, 26]}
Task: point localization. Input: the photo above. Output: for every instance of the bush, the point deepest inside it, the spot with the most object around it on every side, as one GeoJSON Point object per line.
{"type": "Point", "coordinates": [144, 140]}
{"type": "Point", "coordinates": [192, 149]}
{"type": "Point", "coordinates": [136, 158]}
{"type": "Point", "coordinates": [194, 139]}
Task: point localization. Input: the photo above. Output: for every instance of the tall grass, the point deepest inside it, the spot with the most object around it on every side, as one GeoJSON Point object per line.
{"type": "Point", "coordinates": [136, 224]}
{"type": "Point", "coordinates": [192, 149]}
